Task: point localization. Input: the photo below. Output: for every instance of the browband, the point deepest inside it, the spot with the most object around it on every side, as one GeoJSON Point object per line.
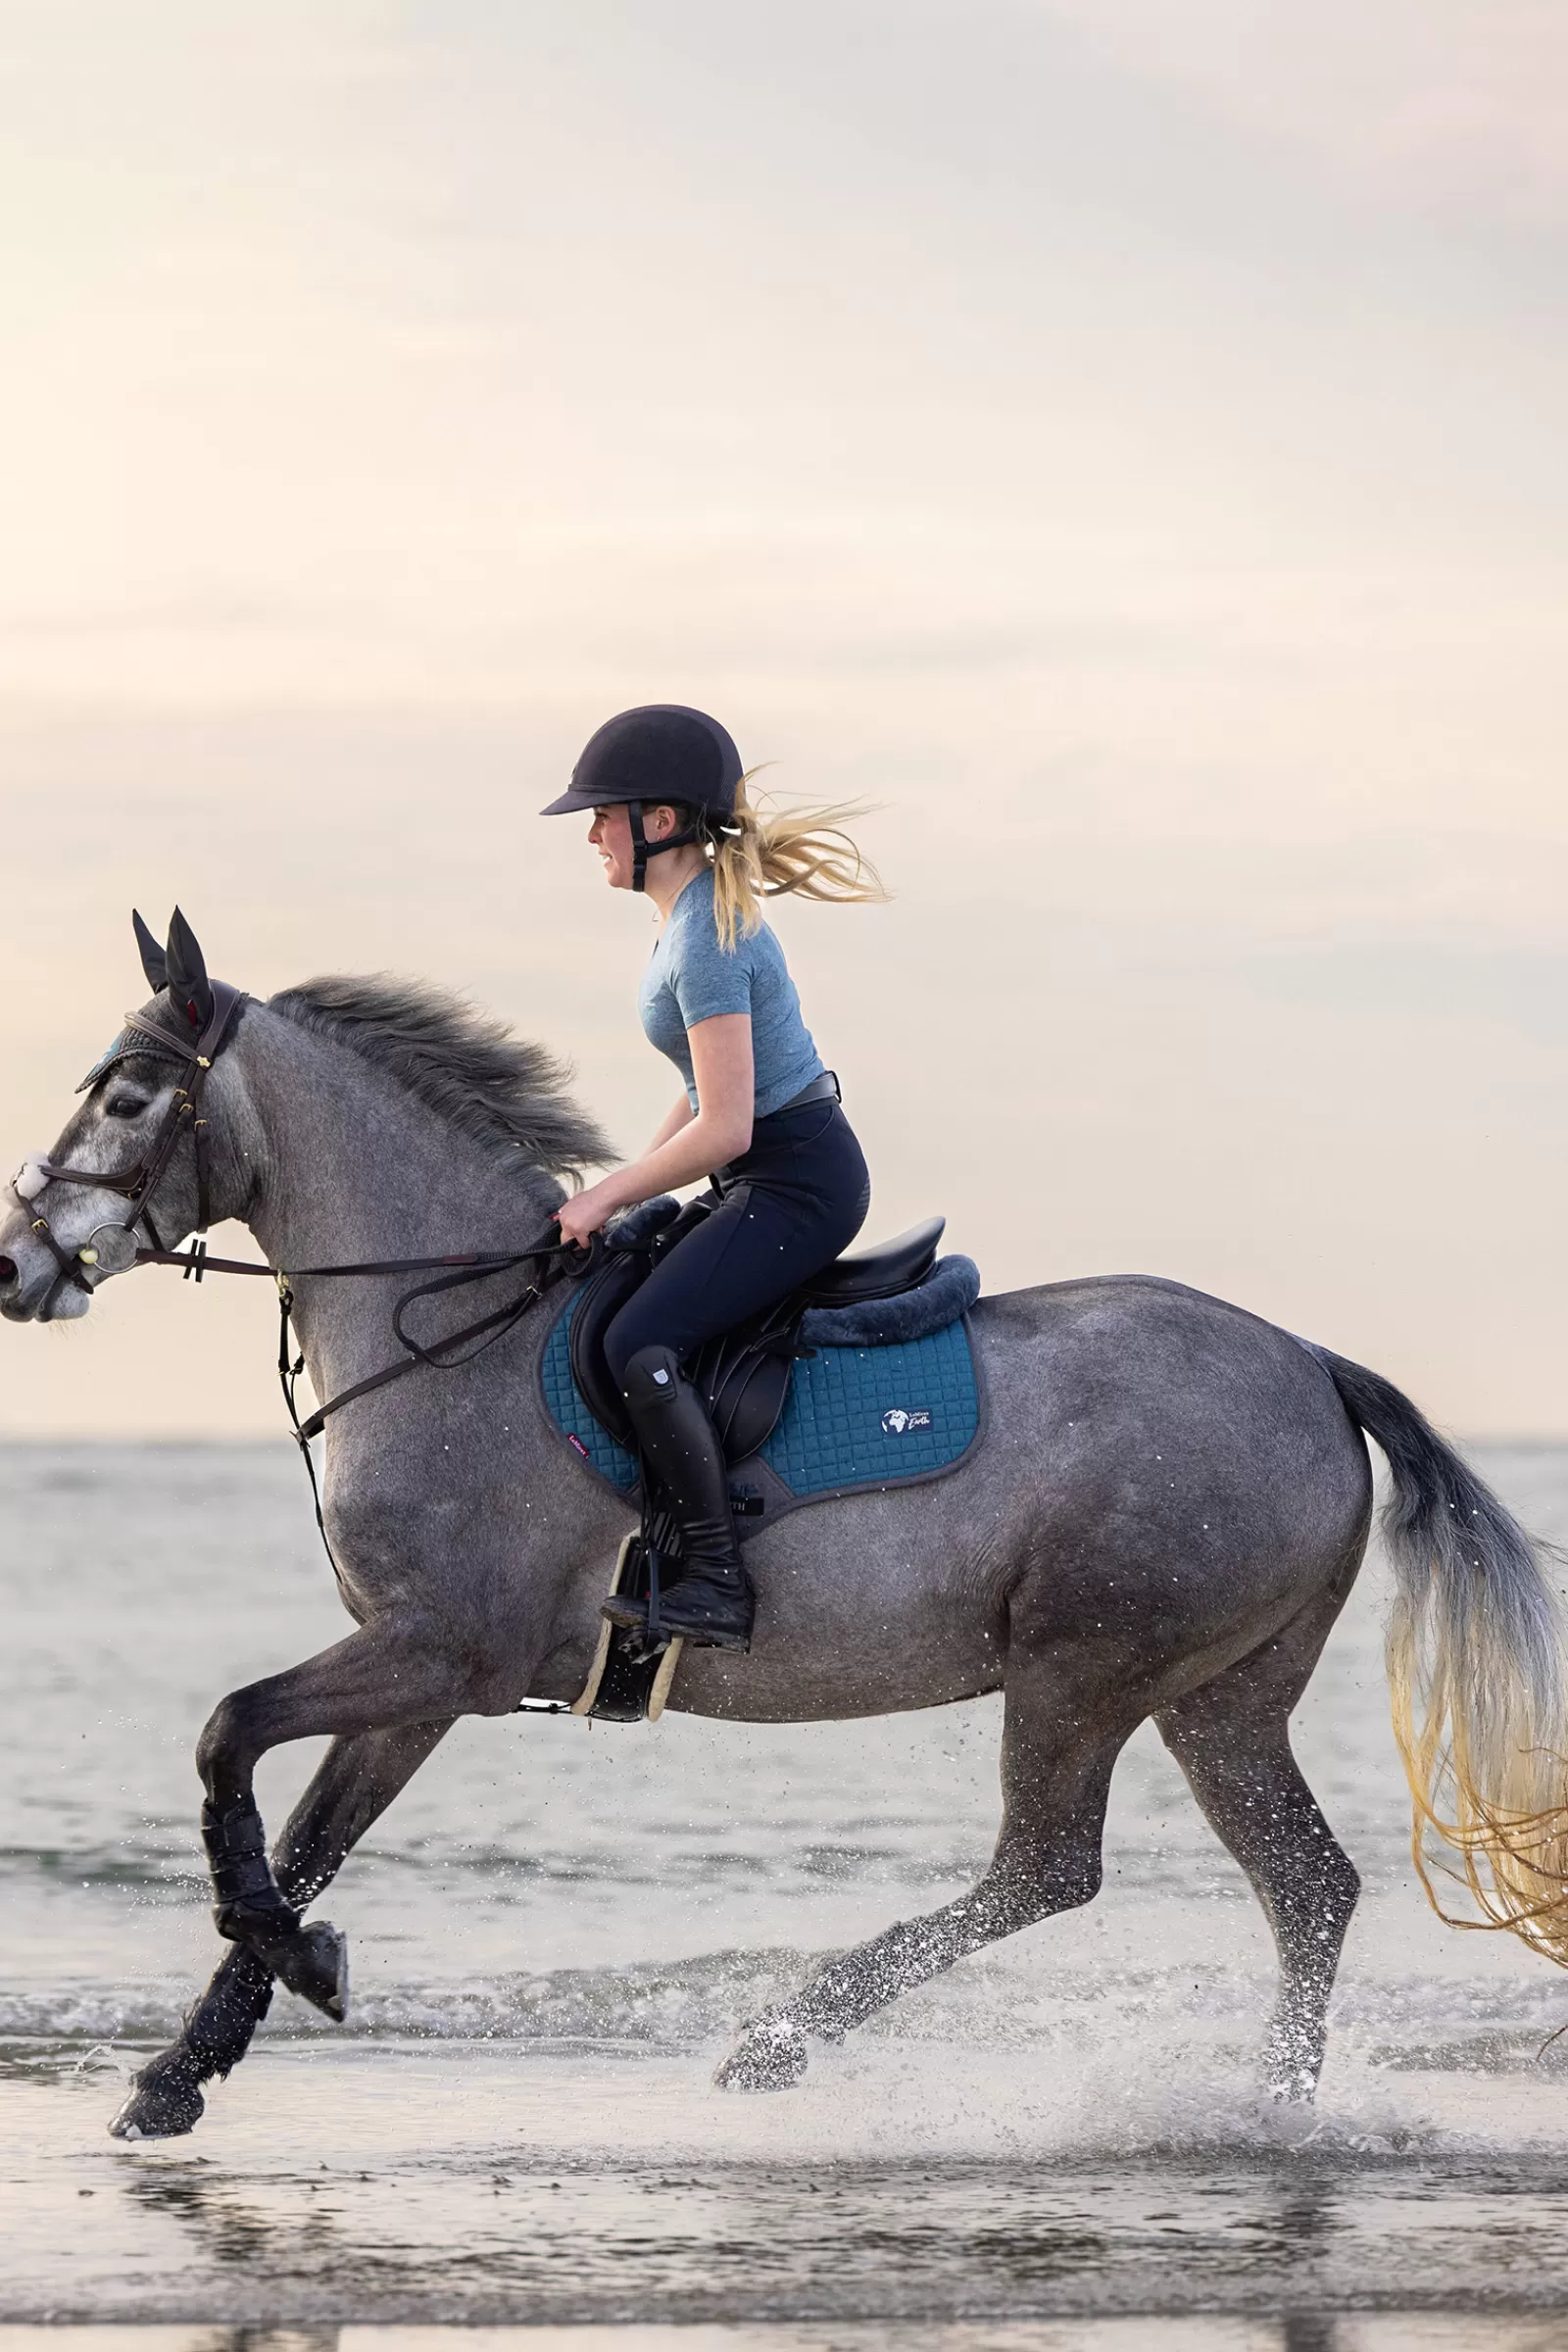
{"type": "Point", "coordinates": [143, 1035]}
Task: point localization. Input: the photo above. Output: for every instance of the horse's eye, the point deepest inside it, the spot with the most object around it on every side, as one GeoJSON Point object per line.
{"type": "Point", "coordinates": [125, 1106]}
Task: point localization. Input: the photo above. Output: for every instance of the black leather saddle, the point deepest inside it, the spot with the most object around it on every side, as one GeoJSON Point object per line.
{"type": "Point", "coordinates": [744, 1375]}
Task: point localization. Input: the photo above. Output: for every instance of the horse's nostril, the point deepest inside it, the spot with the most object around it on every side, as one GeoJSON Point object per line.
{"type": "Point", "coordinates": [7, 1272]}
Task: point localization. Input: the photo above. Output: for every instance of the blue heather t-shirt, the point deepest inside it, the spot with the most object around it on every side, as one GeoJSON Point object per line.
{"type": "Point", "coordinates": [691, 978]}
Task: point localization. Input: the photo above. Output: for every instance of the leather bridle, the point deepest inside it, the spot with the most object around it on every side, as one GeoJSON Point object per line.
{"type": "Point", "coordinates": [137, 1184]}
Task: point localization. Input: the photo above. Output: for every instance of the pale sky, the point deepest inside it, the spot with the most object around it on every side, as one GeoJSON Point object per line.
{"type": "Point", "coordinates": [1124, 437]}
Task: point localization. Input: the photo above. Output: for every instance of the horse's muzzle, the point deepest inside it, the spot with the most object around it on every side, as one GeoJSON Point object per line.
{"type": "Point", "coordinates": [29, 1275]}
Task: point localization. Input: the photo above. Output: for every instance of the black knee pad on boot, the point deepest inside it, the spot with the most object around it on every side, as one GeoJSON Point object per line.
{"type": "Point", "coordinates": [653, 1378]}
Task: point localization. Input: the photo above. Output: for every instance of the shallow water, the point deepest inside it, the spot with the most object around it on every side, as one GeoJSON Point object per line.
{"type": "Point", "coordinates": [559, 1927]}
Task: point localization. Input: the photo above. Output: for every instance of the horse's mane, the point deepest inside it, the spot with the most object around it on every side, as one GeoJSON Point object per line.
{"type": "Point", "coordinates": [468, 1067]}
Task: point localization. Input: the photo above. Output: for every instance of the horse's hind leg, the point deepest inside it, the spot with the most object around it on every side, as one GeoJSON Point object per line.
{"type": "Point", "coordinates": [1058, 1752]}
{"type": "Point", "coordinates": [1232, 1739]}
{"type": "Point", "coordinates": [358, 1779]}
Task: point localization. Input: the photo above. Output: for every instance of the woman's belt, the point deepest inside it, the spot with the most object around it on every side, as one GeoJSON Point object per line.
{"type": "Point", "coordinates": [821, 1089]}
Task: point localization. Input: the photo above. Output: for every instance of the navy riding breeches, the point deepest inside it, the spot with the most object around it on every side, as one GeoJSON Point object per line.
{"type": "Point", "coordinates": [787, 1209]}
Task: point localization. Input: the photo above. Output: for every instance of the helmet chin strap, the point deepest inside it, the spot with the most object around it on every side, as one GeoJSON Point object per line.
{"type": "Point", "coordinates": [642, 848]}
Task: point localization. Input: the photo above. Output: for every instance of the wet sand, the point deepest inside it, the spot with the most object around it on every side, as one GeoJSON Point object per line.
{"type": "Point", "coordinates": [1405, 2333]}
{"type": "Point", "coordinates": [481, 2184]}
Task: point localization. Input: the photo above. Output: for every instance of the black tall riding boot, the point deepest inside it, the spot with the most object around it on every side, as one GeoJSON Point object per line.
{"type": "Point", "coordinates": [711, 1602]}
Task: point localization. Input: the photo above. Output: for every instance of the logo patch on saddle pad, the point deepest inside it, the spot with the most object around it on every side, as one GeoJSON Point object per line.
{"type": "Point", "coordinates": [896, 1420]}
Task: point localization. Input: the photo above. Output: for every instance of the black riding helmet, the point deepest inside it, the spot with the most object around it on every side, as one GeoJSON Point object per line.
{"type": "Point", "coordinates": [662, 753]}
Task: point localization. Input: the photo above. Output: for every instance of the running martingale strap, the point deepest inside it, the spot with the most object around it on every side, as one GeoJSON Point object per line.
{"type": "Point", "coordinates": [454, 1271]}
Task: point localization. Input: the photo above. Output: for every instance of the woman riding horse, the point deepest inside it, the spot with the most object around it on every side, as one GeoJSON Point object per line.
{"type": "Point", "coordinates": [759, 1115]}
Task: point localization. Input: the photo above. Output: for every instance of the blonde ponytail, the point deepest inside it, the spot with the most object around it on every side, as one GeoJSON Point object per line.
{"type": "Point", "coordinates": [761, 857]}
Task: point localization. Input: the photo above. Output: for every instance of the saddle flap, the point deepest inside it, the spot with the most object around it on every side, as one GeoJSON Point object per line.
{"type": "Point", "coordinates": [743, 1381]}
{"type": "Point", "coordinates": [604, 1295]}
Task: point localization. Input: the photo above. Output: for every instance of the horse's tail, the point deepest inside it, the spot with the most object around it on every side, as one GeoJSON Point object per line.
{"type": "Point", "coordinates": [1476, 1663]}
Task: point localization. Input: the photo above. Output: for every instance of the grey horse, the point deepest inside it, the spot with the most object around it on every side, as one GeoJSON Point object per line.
{"type": "Point", "coordinates": [1168, 1510]}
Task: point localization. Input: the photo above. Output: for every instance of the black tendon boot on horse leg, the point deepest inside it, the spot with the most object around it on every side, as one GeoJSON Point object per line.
{"type": "Point", "coordinates": [249, 1908]}
{"type": "Point", "coordinates": [711, 1602]}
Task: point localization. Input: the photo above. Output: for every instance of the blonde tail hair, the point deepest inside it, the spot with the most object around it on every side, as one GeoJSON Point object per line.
{"type": "Point", "coordinates": [1476, 1674]}
{"type": "Point", "coordinates": [805, 850]}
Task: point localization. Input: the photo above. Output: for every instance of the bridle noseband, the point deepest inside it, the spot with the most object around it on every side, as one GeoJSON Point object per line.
{"type": "Point", "coordinates": [138, 1183]}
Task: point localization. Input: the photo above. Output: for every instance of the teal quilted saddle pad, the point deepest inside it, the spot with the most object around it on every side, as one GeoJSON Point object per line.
{"type": "Point", "coordinates": [853, 1416]}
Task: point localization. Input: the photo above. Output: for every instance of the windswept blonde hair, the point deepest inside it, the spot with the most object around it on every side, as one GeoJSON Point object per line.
{"type": "Point", "coordinates": [757, 856]}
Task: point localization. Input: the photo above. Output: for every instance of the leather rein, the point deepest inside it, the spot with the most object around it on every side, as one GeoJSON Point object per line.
{"type": "Point", "coordinates": [550, 1258]}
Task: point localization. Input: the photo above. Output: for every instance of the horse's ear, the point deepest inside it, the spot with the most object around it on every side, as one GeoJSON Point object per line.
{"type": "Point", "coordinates": [188, 983]}
{"type": "Point", "coordinates": [154, 962]}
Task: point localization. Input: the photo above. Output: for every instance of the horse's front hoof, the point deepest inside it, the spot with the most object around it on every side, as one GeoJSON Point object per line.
{"type": "Point", "coordinates": [313, 1965]}
{"type": "Point", "coordinates": [1293, 2058]}
{"type": "Point", "coordinates": [165, 2102]}
{"type": "Point", "coordinates": [771, 2056]}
